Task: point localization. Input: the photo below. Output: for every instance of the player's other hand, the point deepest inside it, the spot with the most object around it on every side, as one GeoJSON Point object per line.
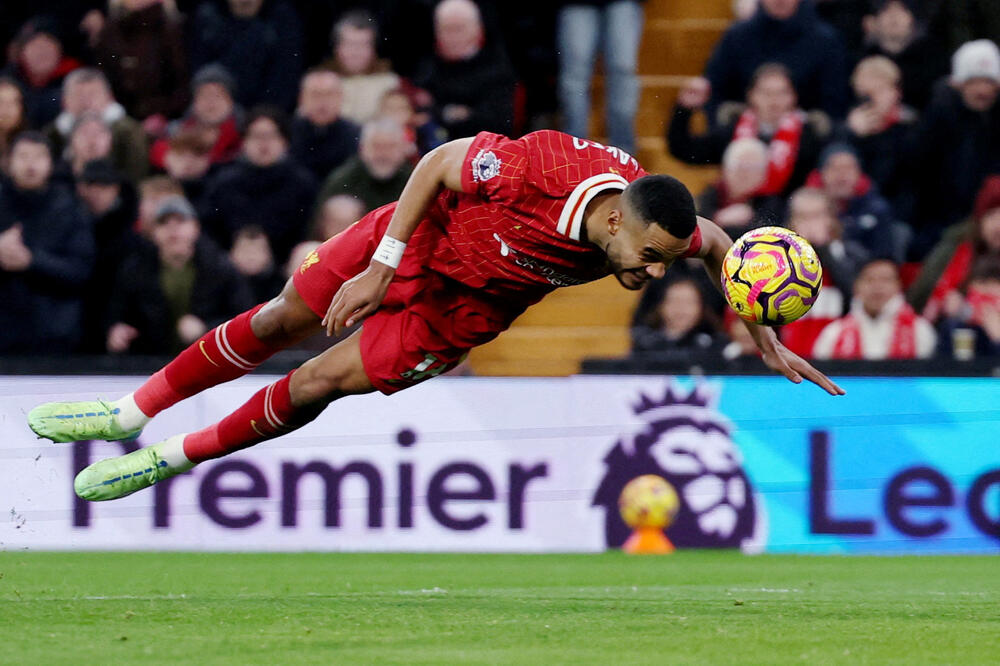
{"type": "Point", "coordinates": [358, 297]}
{"type": "Point", "coordinates": [786, 362]}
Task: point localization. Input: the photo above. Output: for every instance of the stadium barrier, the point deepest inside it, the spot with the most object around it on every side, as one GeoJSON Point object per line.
{"type": "Point", "coordinates": [529, 465]}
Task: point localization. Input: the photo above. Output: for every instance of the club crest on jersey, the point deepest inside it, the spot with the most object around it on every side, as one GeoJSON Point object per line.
{"type": "Point", "coordinates": [485, 165]}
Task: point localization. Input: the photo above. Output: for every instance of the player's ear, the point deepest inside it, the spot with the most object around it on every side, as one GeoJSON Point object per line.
{"type": "Point", "coordinates": [615, 221]}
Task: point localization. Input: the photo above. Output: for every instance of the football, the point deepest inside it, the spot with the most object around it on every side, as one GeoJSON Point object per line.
{"type": "Point", "coordinates": [648, 501]}
{"type": "Point", "coordinates": [771, 276]}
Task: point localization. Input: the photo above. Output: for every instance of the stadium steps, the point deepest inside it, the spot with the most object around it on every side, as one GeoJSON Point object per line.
{"type": "Point", "coordinates": [573, 323]}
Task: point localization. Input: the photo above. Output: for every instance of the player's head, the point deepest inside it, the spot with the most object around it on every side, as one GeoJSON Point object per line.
{"type": "Point", "coordinates": [651, 228]}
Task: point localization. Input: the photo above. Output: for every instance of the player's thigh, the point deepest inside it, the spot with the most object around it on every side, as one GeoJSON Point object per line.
{"type": "Point", "coordinates": [337, 372]}
{"type": "Point", "coordinates": [286, 319]}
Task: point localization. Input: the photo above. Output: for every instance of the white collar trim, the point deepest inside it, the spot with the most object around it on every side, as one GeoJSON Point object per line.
{"type": "Point", "coordinates": [571, 218]}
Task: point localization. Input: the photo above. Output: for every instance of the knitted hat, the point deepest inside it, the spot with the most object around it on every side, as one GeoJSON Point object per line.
{"type": "Point", "coordinates": [979, 59]}
{"type": "Point", "coordinates": [214, 73]}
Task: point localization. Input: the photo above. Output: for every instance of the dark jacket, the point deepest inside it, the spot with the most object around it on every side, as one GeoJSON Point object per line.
{"type": "Point", "coordinates": [882, 157]}
{"type": "Point", "coordinates": [809, 48]}
{"type": "Point", "coordinates": [708, 148]}
{"type": "Point", "coordinates": [144, 57]}
{"type": "Point", "coordinates": [323, 149]}
{"type": "Point", "coordinates": [922, 64]}
{"type": "Point", "coordinates": [116, 240]}
{"type": "Point", "coordinates": [279, 199]}
{"type": "Point", "coordinates": [353, 178]}
{"type": "Point", "coordinates": [219, 293]}
{"type": "Point", "coordinates": [868, 220]}
{"type": "Point", "coordinates": [42, 306]}
{"type": "Point", "coordinates": [951, 151]}
{"type": "Point", "coordinates": [484, 83]}
{"type": "Point", "coordinates": [263, 53]}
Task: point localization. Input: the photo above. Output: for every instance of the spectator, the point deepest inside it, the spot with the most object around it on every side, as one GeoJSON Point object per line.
{"type": "Point", "coordinates": [213, 114]}
{"type": "Point", "coordinates": [771, 114]}
{"type": "Point", "coordinates": [616, 26]}
{"type": "Point", "coordinates": [322, 139]}
{"type": "Point", "coordinates": [880, 324]}
{"type": "Point", "coordinates": [937, 290]}
{"type": "Point", "coordinates": [39, 65]}
{"type": "Point", "coordinates": [46, 254]}
{"type": "Point", "coordinates": [87, 91]}
{"type": "Point", "coordinates": [734, 201]}
{"type": "Point", "coordinates": [153, 191]}
{"type": "Point", "coordinates": [865, 217]}
{"type": "Point", "coordinates": [788, 32]}
{"type": "Point", "coordinates": [365, 77]}
{"type": "Point", "coordinates": [12, 118]}
{"type": "Point", "coordinates": [469, 78]}
{"type": "Point", "coordinates": [171, 292]}
{"type": "Point", "coordinates": [90, 139]}
{"type": "Point", "coordinates": [956, 145]}
{"type": "Point", "coordinates": [259, 41]}
{"type": "Point", "coordinates": [141, 49]}
{"type": "Point", "coordinates": [741, 344]}
{"type": "Point", "coordinates": [298, 256]}
{"type": "Point", "coordinates": [679, 322]}
{"type": "Point", "coordinates": [251, 255]}
{"type": "Point", "coordinates": [336, 214]}
{"type": "Point", "coordinates": [893, 31]}
{"type": "Point", "coordinates": [188, 161]}
{"type": "Point", "coordinates": [974, 329]}
{"type": "Point", "coordinates": [878, 127]}
{"type": "Point", "coordinates": [378, 173]}
{"type": "Point", "coordinates": [421, 130]}
{"type": "Point", "coordinates": [112, 207]}
{"type": "Point", "coordinates": [812, 215]}
{"type": "Point", "coordinates": [266, 187]}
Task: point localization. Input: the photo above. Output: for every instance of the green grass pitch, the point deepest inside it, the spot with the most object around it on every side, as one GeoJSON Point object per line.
{"type": "Point", "coordinates": [687, 608]}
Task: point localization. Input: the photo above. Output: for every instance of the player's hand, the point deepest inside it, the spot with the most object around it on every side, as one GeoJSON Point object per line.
{"type": "Point", "coordinates": [358, 297]}
{"type": "Point", "coordinates": [786, 362]}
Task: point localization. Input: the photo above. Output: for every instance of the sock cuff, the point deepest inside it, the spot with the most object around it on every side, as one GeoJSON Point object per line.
{"type": "Point", "coordinates": [156, 394]}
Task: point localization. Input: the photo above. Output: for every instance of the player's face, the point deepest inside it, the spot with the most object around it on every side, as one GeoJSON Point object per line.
{"type": "Point", "coordinates": [639, 252]}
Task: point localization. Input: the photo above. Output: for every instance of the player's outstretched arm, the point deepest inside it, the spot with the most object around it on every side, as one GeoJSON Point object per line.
{"type": "Point", "coordinates": [361, 295]}
{"type": "Point", "coordinates": [715, 243]}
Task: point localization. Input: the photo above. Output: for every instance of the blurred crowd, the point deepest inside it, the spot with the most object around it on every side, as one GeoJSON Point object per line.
{"type": "Point", "coordinates": [167, 163]}
{"type": "Point", "coordinates": [872, 128]}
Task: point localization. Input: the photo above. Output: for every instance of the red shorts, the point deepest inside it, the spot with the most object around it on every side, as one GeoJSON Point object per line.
{"type": "Point", "coordinates": [426, 324]}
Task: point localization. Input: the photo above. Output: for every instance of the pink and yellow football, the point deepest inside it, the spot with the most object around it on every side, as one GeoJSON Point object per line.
{"type": "Point", "coordinates": [648, 501]}
{"type": "Point", "coordinates": [771, 276]}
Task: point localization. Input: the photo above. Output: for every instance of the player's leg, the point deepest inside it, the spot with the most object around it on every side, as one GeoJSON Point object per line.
{"type": "Point", "coordinates": [284, 406]}
{"type": "Point", "coordinates": [228, 351]}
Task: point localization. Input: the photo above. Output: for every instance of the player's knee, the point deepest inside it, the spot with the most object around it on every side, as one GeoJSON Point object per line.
{"type": "Point", "coordinates": [284, 320]}
{"type": "Point", "coordinates": [322, 380]}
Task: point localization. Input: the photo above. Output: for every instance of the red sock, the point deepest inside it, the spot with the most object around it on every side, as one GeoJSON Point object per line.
{"type": "Point", "coordinates": [268, 414]}
{"type": "Point", "coordinates": [226, 352]}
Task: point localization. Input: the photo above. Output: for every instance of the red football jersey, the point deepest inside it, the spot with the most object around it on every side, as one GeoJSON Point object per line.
{"type": "Point", "coordinates": [515, 230]}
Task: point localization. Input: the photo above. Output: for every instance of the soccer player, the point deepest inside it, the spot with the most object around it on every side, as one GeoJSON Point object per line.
{"type": "Point", "coordinates": [485, 227]}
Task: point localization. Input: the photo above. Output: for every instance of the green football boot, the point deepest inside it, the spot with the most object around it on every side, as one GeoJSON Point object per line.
{"type": "Point", "coordinates": [118, 477]}
{"type": "Point", "coordinates": [76, 421]}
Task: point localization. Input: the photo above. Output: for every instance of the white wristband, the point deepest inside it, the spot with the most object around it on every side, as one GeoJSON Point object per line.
{"type": "Point", "coordinates": [389, 251]}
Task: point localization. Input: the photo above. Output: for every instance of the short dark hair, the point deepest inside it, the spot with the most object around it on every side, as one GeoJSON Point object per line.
{"type": "Point", "coordinates": [272, 113]}
{"type": "Point", "coordinates": [664, 200]}
{"type": "Point", "coordinates": [31, 136]}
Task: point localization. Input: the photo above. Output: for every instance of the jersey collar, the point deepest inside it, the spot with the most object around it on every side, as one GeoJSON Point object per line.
{"type": "Point", "coordinates": [571, 218]}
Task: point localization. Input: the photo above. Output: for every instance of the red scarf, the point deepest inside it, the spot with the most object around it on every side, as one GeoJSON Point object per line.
{"type": "Point", "coordinates": [902, 346]}
{"type": "Point", "coordinates": [783, 149]}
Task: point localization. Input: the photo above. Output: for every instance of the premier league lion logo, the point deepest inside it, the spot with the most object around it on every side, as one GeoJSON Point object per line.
{"type": "Point", "coordinates": [687, 442]}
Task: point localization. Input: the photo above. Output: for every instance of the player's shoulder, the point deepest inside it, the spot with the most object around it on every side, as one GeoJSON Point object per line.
{"type": "Point", "coordinates": [569, 160]}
